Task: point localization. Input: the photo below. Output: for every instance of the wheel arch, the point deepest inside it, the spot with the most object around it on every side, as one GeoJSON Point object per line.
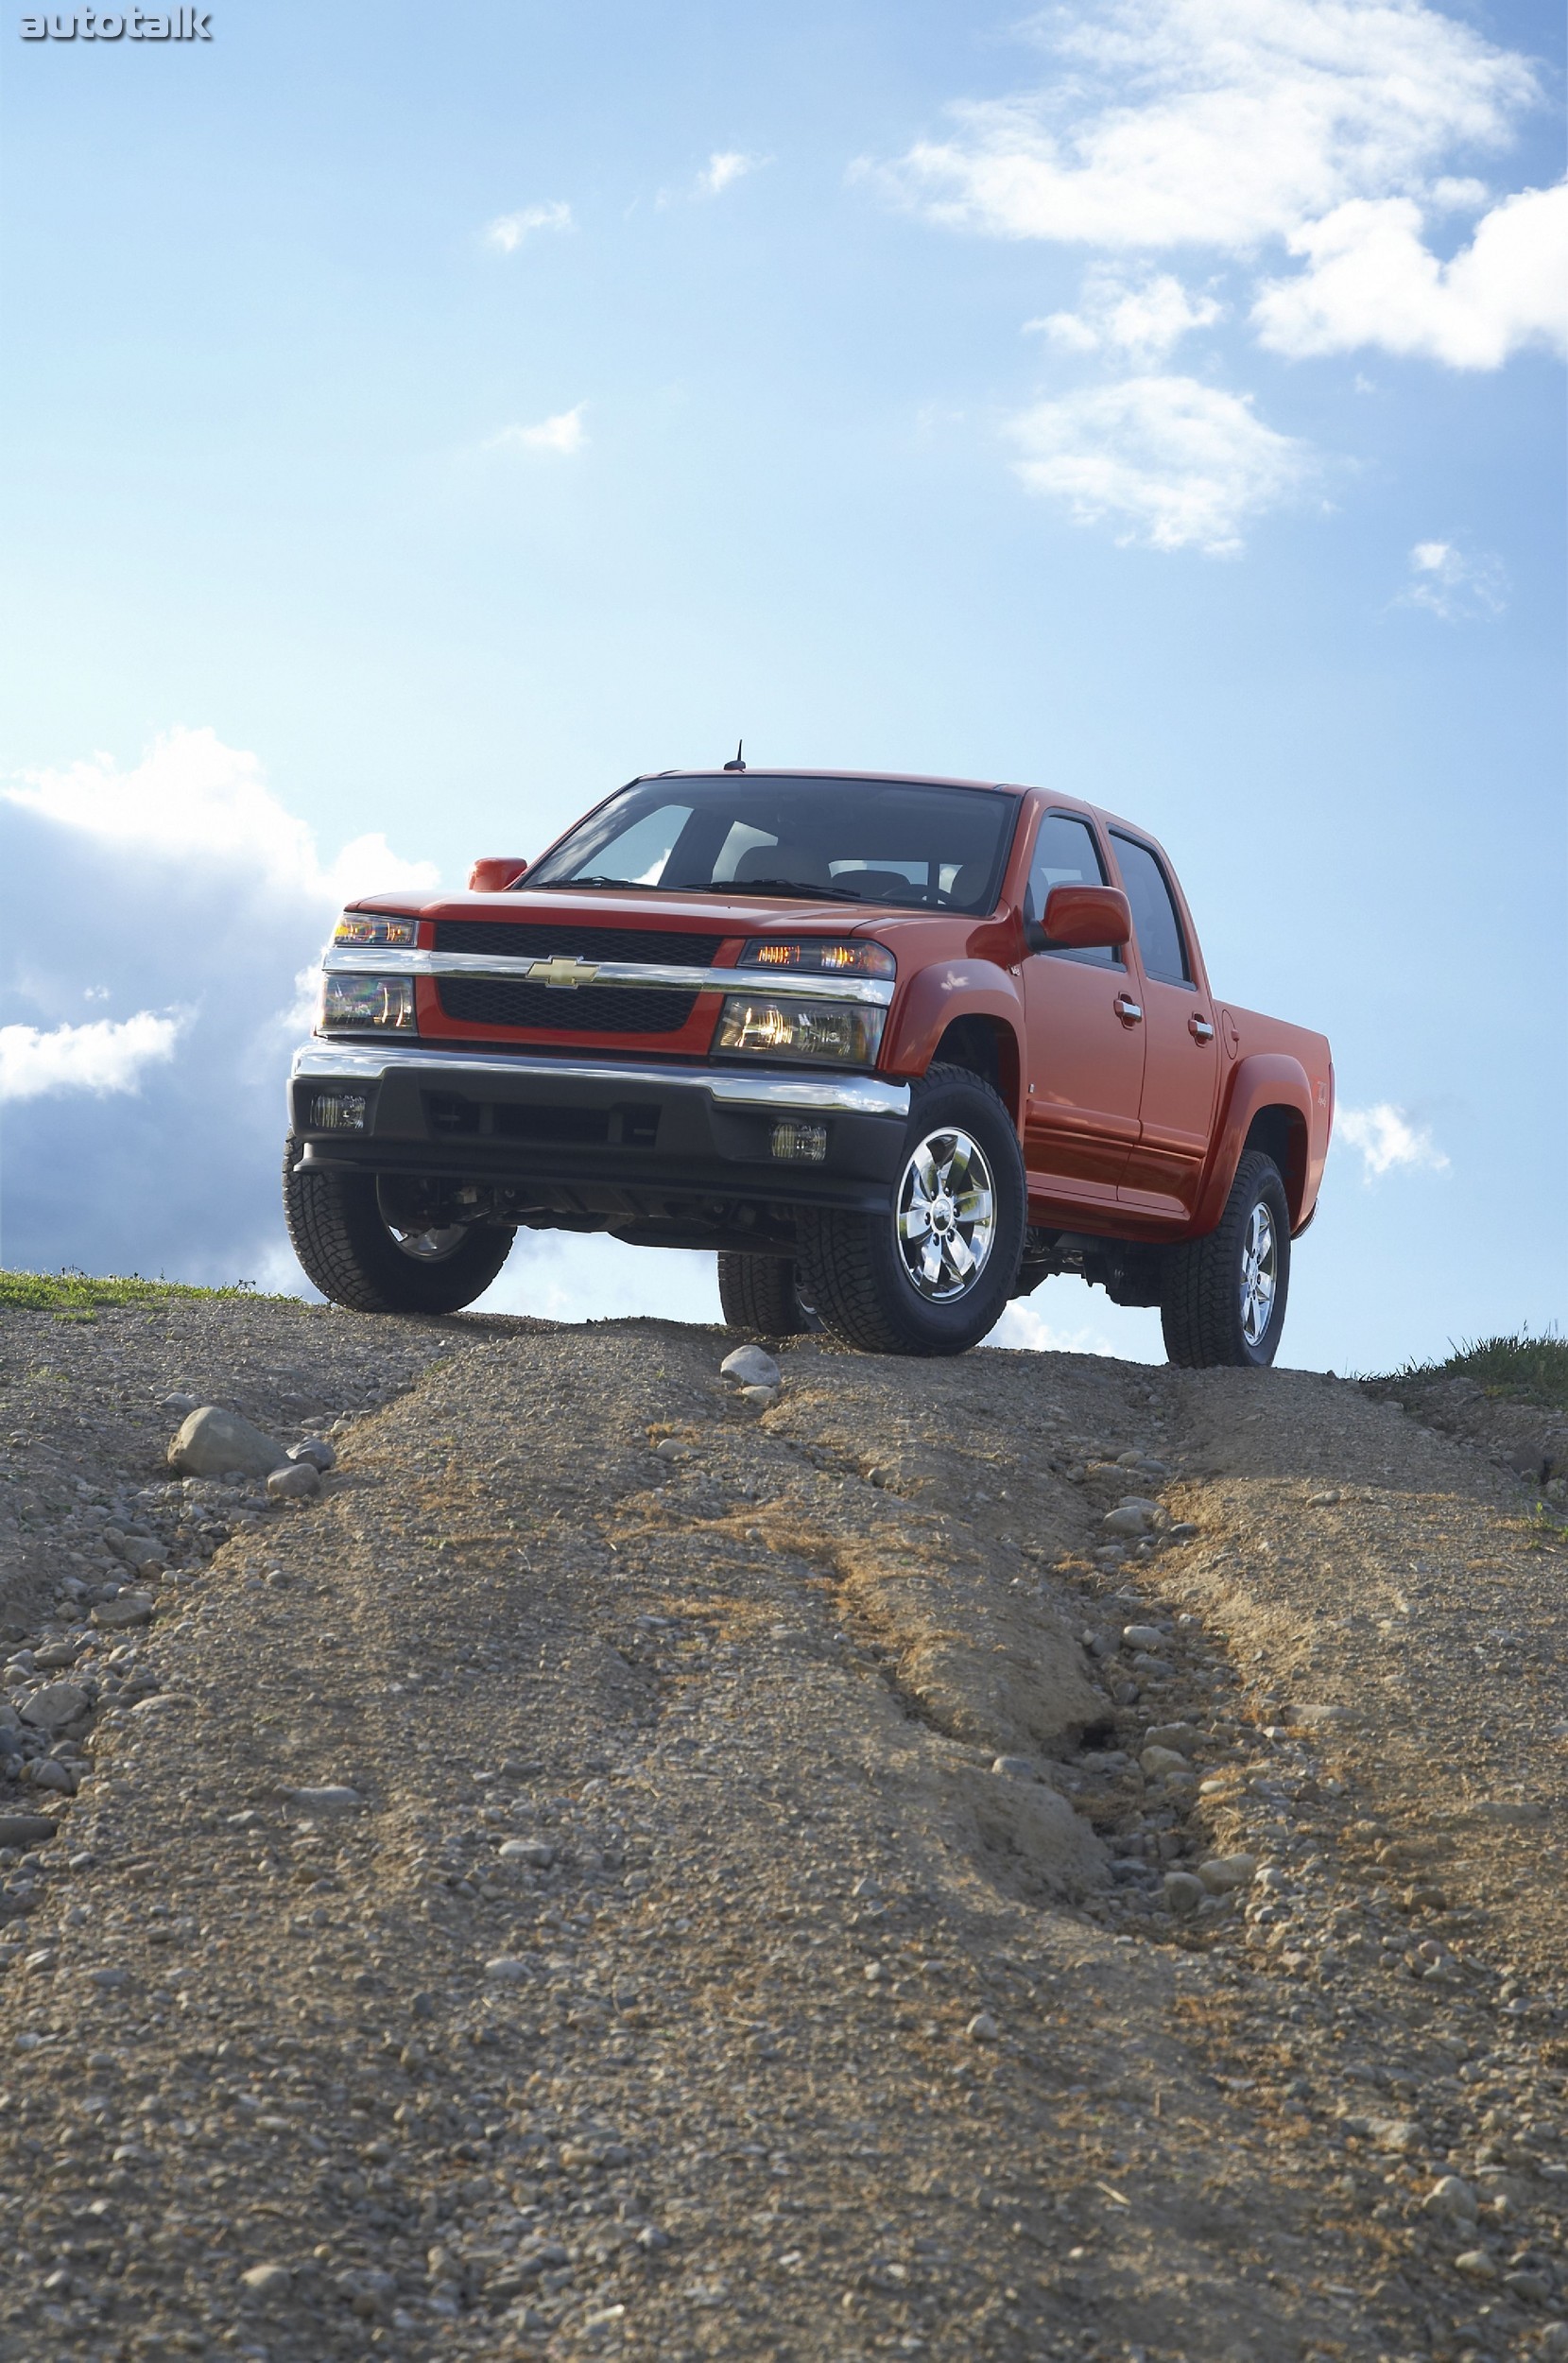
{"type": "Point", "coordinates": [984, 1045]}
{"type": "Point", "coordinates": [1269, 1106]}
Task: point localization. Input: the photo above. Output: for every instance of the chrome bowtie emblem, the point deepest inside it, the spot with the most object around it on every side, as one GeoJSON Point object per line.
{"type": "Point", "coordinates": [562, 973]}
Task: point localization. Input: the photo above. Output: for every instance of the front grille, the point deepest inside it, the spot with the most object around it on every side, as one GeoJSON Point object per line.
{"type": "Point", "coordinates": [549, 1009]}
{"type": "Point", "coordinates": [504, 940]}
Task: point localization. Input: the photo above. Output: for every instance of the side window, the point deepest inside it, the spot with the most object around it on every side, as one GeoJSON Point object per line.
{"type": "Point", "coordinates": [1065, 854]}
{"type": "Point", "coordinates": [1154, 920]}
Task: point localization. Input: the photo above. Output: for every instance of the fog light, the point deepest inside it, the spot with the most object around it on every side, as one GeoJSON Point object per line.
{"type": "Point", "coordinates": [338, 1112]}
{"type": "Point", "coordinates": [807, 1143]}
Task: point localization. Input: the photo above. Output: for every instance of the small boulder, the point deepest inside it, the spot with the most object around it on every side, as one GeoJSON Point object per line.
{"type": "Point", "coordinates": [26, 1829]}
{"type": "Point", "coordinates": [268, 2280]}
{"type": "Point", "coordinates": [127, 1608]}
{"type": "Point", "coordinates": [1015, 1768]}
{"type": "Point", "coordinates": [533, 1852]}
{"type": "Point", "coordinates": [1180, 1735]}
{"type": "Point", "coordinates": [1183, 1893]}
{"type": "Point", "coordinates": [1477, 2264]}
{"type": "Point", "coordinates": [317, 1451]}
{"type": "Point", "coordinates": [295, 1482]}
{"type": "Point", "coordinates": [57, 1706]}
{"type": "Point", "coordinates": [1222, 1874]}
{"type": "Point", "coordinates": [982, 2027]}
{"type": "Point", "coordinates": [1129, 1520]}
{"type": "Point", "coordinates": [506, 1970]}
{"type": "Point", "coordinates": [1451, 2196]}
{"type": "Point", "coordinates": [211, 1443]}
{"type": "Point", "coordinates": [750, 1367]}
{"type": "Point", "coordinates": [178, 1406]}
{"type": "Point", "coordinates": [325, 1802]}
{"type": "Point", "coordinates": [1161, 1763]}
{"type": "Point", "coordinates": [1145, 1637]}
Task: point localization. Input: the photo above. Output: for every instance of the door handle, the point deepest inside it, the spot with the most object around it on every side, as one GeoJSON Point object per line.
{"type": "Point", "coordinates": [1200, 1028]}
{"type": "Point", "coordinates": [1127, 1009]}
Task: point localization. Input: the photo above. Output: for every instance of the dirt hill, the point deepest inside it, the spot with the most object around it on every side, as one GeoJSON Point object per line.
{"type": "Point", "coordinates": [629, 1869]}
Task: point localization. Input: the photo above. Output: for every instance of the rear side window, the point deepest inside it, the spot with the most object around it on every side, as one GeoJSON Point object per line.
{"type": "Point", "coordinates": [1065, 854]}
{"type": "Point", "coordinates": [1160, 942]}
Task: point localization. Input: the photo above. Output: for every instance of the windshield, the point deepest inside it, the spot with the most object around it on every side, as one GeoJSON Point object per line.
{"type": "Point", "coordinates": [846, 840]}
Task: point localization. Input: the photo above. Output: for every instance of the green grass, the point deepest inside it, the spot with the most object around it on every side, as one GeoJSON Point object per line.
{"type": "Point", "coordinates": [1532, 1369]}
{"type": "Point", "coordinates": [76, 1296]}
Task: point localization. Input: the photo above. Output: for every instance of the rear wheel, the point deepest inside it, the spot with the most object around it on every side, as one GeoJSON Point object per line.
{"type": "Point", "coordinates": [763, 1292]}
{"type": "Point", "coordinates": [934, 1273]}
{"type": "Point", "coordinates": [1224, 1295]}
{"type": "Point", "coordinates": [387, 1246]}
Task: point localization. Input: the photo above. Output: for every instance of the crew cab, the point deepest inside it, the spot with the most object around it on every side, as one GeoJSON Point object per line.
{"type": "Point", "coordinates": [896, 1048]}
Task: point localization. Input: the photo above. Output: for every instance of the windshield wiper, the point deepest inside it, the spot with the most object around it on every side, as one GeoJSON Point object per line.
{"type": "Point", "coordinates": [790, 886]}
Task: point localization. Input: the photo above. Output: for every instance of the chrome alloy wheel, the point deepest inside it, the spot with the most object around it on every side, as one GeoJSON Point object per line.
{"type": "Point", "coordinates": [946, 1215]}
{"type": "Point", "coordinates": [1260, 1261]}
{"type": "Point", "coordinates": [432, 1247]}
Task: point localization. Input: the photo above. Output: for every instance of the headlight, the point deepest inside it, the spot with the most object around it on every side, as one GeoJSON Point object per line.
{"type": "Point", "coordinates": [800, 1029]}
{"type": "Point", "coordinates": [373, 927]}
{"type": "Point", "coordinates": [828, 959]}
{"type": "Point", "coordinates": [360, 1004]}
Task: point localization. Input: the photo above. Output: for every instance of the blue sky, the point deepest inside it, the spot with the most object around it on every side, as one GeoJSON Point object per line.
{"type": "Point", "coordinates": [425, 420]}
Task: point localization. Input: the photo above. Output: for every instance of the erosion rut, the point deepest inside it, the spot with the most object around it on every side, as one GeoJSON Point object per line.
{"type": "Point", "coordinates": [749, 1932]}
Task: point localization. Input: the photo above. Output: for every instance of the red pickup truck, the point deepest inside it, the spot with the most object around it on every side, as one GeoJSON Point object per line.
{"type": "Point", "coordinates": [896, 1048]}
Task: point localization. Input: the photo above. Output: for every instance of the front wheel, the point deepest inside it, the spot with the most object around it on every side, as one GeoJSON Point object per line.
{"type": "Point", "coordinates": [763, 1292]}
{"type": "Point", "coordinates": [1224, 1295]}
{"type": "Point", "coordinates": [377, 1247]}
{"type": "Point", "coordinates": [931, 1274]}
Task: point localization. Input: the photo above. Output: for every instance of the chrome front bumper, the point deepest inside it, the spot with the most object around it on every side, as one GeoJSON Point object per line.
{"type": "Point", "coordinates": [789, 1091]}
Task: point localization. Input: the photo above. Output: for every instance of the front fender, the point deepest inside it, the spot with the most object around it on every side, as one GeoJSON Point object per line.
{"type": "Point", "coordinates": [1268, 1078]}
{"type": "Point", "coordinates": [947, 990]}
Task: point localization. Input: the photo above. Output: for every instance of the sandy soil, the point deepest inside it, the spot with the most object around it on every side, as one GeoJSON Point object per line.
{"type": "Point", "coordinates": [742, 1918]}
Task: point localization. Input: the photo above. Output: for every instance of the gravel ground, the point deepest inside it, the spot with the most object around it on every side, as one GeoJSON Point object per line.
{"type": "Point", "coordinates": [633, 1870]}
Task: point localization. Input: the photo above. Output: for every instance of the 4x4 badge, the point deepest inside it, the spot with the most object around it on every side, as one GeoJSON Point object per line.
{"type": "Point", "coordinates": [563, 972]}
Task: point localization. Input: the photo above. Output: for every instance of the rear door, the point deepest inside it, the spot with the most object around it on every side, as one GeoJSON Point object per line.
{"type": "Point", "coordinates": [1085, 1056]}
{"type": "Point", "coordinates": [1181, 1049]}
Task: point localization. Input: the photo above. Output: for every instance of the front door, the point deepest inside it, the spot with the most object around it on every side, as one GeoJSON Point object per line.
{"type": "Point", "coordinates": [1085, 1057]}
{"type": "Point", "coordinates": [1181, 1055]}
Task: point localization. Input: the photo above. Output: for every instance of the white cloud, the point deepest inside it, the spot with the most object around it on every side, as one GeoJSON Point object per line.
{"type": "Point", "coordinates": [724, 167]}
{"type": "Point", "coordinates": [1449, 584]}
{"type": "Point", "coordinates": [1387, 1141]}
{"type": "Point", "coordinates": [194, 800]}
{"type": "Point", "coordinates": [1372, 279]}
{"type": "Point", "coordinates": [563, 435]}
{"type": "Point", "coordinates": [1220, 123]}
{"type": "Point", "coordinates": [1052, 1322]}
{"type": "Point", "coordinates": [104, 1056]}
{"type": "Point", "coordinates": [1172, 462]}
{"type": "Point", "coordinates": [507, 231]}
{"type": "Point", "coordinates": [1142, 319]}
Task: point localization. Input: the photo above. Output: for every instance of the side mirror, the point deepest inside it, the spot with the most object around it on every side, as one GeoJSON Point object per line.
{"type": "Point", "coordinates": [495, 872]}
{"type": "Point", "coordinates": [1082, 918]}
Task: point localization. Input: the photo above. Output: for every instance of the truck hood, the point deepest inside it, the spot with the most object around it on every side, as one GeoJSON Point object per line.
{"type": "Point", "coordinates": [724, 914]}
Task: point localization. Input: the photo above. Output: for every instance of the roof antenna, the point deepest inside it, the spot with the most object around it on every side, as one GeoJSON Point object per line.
{"type": "Point", "coordinates": [738, 765]}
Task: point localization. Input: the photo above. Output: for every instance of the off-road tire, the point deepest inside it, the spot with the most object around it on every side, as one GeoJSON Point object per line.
{"type": "Point", "coordinates": [347, 1247]}
{"type": "Point", "coordinates": [850, 1266]}
{"type": "Point", "coordinates": [760, 1292]}
{"type": "Point", "coordinates": [1201, 1299]}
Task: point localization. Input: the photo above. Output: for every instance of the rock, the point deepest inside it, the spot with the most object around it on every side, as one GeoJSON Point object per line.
{"type": "Point", "coordinates": [1222, 1874]}
{"type": "Point", "coordinates": [1015, 1768]}
{"type": "Point", "coordinates": [1533, 2288]}
{"type": "Point", "coordinates": [26, 1829]}
{"type": "Point", "coordinates": [1318, 1715]}
{"type": "Point", "coordinates": [109, 1981]}
{"type": "Point", "coordinates": [140, 1552]}
{"type": "Point", "coordinates": [651, 2238]}
{"type": "Point", "coordinates": [506, 1970]}
{"type": "Point", "coordinates": [1510, 1810]}
{"type": "Point", "coordinates": [1130, 1519]}
{"type": "Point", "coordinates": [211, 1443]}
{"type": "Point", "coordinates": [127, 1608]}
{"type": "Point", "coordinates": [1180, 1735]}
{"type": "Point", "coordinates": [57, 1706]}
{"type": "Point", "coordinates": [297, 1482]}
{"type": "Point", "coordinates": [531, 1851]}
{"type": "Point", "coordinates": [764, 1397]}
{"type": "Point", "coordinates": [671, 1448]}
{"type": "Point", "coordinates": [982, 2027]}
{"type": "Point", "coordinates": [178, 1405]}
{"type": "Point", "coordinates": [370, 2292]}
{"type": "Point", "coordinates": [316, 1451]}
{"type": "Point", "coordinates": [325, 1802]}
{"type": "Point", "coordinates": [268, 2280]}
{"type": "Point", "coordinates": [1451, 2196]}
{"type": "Point", "coordinates": [1158, 1763]}
{"type": "Point", "coordinates": [1183, 1532]}
{"type": "Point", "coordinates": [46, 1773]}
{"type": "Point", "coordinates": [750, 1367]}
{"type": "Point", "coordinates": [1144, 1637]}
{"type": "Point", "coordinates": [1183, 1892]}
{"type": "Point", "coordinates": [1477, 2264]}
{"type": "Point", "coordinates": [1553, 2343]}
{"type": "Point", "coordinates": [1399, 2136]}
